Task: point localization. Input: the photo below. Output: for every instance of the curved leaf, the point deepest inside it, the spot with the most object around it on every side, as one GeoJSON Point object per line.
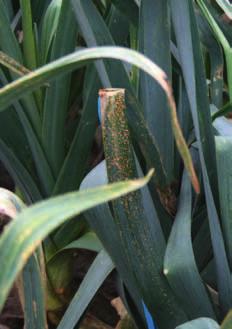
{"type": "Point", "coordinates": [78, 59]}
{"type": "Point", "coordinates": [179, 264]}
{"type": "Point", "coordinates": [23, 235]}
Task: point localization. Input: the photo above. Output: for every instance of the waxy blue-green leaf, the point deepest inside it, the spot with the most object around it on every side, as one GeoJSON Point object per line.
{"type": "Point", "coordinates": [111, 73]}
{"type": "Point", "coordinates": [224, 158]}
{"type": "Point", "coordinates": [195, 81]}
{"type": "Point", "coordinates": [179, 263]}
{"type": "Point", "coordinates": [154, 42]}
{"type": "Point", "coordinates": [139, 229]}
{"type": "Point", "coordinates": [101, 220]}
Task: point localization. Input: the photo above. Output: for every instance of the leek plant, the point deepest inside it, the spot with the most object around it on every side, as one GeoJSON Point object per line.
{"type": "Point", "coordinates": [164, 71]}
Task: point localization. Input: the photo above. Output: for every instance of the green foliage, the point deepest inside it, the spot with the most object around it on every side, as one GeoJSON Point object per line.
{"type": "Point", "coordinates": [170, 243]}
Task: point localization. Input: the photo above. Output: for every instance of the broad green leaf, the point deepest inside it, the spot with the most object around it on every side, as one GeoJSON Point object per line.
{"type": "Point", "coordinates": [179, 264]}
{"type": "Point", "coordinates": [71, 176]}
{"type": "Point", "coordinates": [154, 42]}
{"type": "Point", "coordinates": [33, 293]}
{"type": "Point", "coordinates": [193, 72]}
{"type": "Point", "coordinates": [141, 238]}
{"type": "Point", "coordinates": [87, 241]}
{"type": "Point", "coordinates": [33, 224]}
{"type": "Point", "coordinates": [69, 232]}
{"type": "Point", "coordinates": [78, 59]}
{"type": "Point", "coordinates": [216, 61]}
{"type": "Point", "coordinates": [96, 275]}
{"type": "Point", "coordinates": [49, 28]}
{"type": "Point", "coordinates": [224, 158]}
{"type": "Point", "coordinates": [222, 39]}
{"type": "Point", "coordinates": [111, 73]}
{"type": "Point", "coordinates": [192, 66]}
{"type": "Point", "coordinates": [57, 95]}
{"type": "Point", "coordinates": [103, 223]}
{"type": "Point", "coordinates": [201, 323]}
{"type": "Point", "coordinates": [9, 7]}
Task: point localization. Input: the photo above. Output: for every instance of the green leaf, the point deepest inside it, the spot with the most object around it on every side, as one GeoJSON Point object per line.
{"type": "Point", "coordinates": [192, 66]}
{"type": "Point", "coordinates": [34, 299]}
{"type": "Point", "coordinates": [129, 9]}
{"type": "Point", "coordinates": [202, 323]}
{"type": "Point", "coordinates": [19, 173]}
{"type": "Point", "coordinates": [87, 241]}
{"type": "Point", "coordinates": [179, 264]}
{"type": "Point", "coordinates": [222, 39]}
{"type": "Point", "coordinates": [57, 95]}
{"type": "Point", "coordinates": [96, 275]}
{"type": "Point", "coordinates": [79, 58]}
{"type": "Point", "coordinates": [29, 51]}
{"type": "Point", "coordinates": [103, 223]}
{"type": "Point", "coordinates": [32, 225]}
{"type": "Point", "coordinates": [154, 42]}
{"type": "Point", "coordinates": [8, 41]}
{"type": "Point", "coordinates": [224, 158]}
{"type": "Point", "coordinates": [140, 236]}
{"type": "Point", "coordinates": [114, 74]}
{"type": "Point", "coordinates": [32, 285]}
{"type": "Point", "coordinates": [10, 46]}
{"type": "Point", "coordinates": [216, 61]}
{"type": "Point", "coordinates": [49, 28]}
{"type": "Point", "coordinates": [188, 43]}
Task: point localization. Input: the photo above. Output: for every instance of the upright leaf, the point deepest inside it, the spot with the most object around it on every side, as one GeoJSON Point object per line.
{"type": "Point", "coordinates": [141, 239]}
{"type": "Point", "coordinates": [56, 98]}
{"type": "Point", "coordinates": [179, 264]}
{"type": "Point", "coordinates": [224, 158]}
{"type": "Point", "coordinates": [97, 273]}
{"type": "Point", "coordinates": [154, 42]}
